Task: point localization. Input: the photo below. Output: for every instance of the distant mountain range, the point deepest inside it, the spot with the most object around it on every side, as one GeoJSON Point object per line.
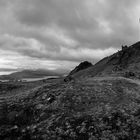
{"type": "Point", "coordinates": [125, 62]}
{"type": "Point", "coordinates": [39, 73]}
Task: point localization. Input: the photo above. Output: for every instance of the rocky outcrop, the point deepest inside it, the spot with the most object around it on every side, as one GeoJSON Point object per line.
{"type": "Point", "coordinates": [81, 66]}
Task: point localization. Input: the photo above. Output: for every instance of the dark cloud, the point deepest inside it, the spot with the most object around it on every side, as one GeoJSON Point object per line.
{"type": "Point", "coordinates": [33, 48]}
{"type": "Point", "coordinates": [7, 69]}
{"type": "Point", "coordinates": [67, 30]}
{"type": "Point", "coordinates": [94, 24]}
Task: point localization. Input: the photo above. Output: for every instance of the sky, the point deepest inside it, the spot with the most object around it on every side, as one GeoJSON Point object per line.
{"type": "Point", "coordinates": [59, 34]}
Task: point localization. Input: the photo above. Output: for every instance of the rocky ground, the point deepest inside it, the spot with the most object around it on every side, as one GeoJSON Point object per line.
{"type": "Point", "coordinates": [93, 109]}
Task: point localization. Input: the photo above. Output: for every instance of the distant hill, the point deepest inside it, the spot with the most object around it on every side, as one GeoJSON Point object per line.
{"type": "Point", "coordinates": [80, 67]}
{"type": "Point", "coordinates": [39, 73]}
{"type": "Point", "coordinates": [125, 62]}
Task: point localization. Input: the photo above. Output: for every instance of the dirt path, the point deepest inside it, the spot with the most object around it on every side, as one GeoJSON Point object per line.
{"type": "Point", "coordinates": [135, 81]}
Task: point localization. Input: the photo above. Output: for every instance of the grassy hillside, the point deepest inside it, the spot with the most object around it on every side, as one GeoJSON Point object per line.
{"type": "Point", "coordinates": [125, 62]}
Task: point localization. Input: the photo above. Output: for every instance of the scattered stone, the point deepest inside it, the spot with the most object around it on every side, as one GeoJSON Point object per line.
{"type": "Point", "coordinates": [39, 106]}
{"type": "Point", "coordinates": [12, 116]}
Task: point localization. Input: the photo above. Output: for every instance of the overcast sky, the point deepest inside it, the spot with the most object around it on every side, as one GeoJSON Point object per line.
{"type": "Point", "coordinates": [56, 34]}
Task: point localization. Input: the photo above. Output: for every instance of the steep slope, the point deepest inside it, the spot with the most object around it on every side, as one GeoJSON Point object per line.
{"type": "Point", "coordinates": [123, 63]}
{"type": "Point", "coordinates": [29, 74]}
{"type": "Point", "coordinates": [80, 67]}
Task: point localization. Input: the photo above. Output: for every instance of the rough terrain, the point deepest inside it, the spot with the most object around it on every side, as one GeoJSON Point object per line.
{"type": "Point", "coordinates": [104, 108]}
{"type": "Point", "coordinates": [94, 102]}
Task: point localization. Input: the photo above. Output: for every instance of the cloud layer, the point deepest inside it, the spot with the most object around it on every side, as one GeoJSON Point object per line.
{"type": "Point", "coordinates": [61, 33]}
